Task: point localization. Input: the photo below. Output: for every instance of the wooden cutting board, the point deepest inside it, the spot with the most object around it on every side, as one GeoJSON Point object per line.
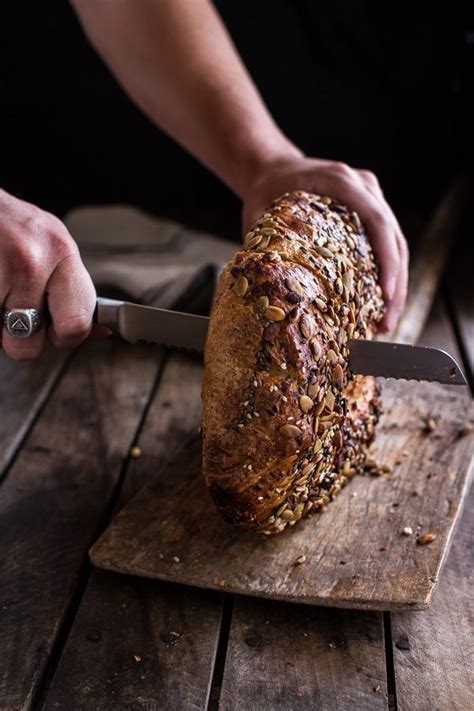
{"type": "Point", "coordinates": [355, 553]}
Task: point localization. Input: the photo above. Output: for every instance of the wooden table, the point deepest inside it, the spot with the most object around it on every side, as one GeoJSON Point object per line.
{"type": "Point", "coordinates": [72, 637]}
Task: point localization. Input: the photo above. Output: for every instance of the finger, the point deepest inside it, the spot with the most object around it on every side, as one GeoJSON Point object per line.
{"type": "Point", "coordinates": [396, 305]}
{"type": "Point", "coordinates": [28, 293]}
{"type": "Point", "coordinates": [98, 332]}
{"type": "Point", "coordinates": [71, 302]}
{"type": "Point", "coordinates": [377, 220]}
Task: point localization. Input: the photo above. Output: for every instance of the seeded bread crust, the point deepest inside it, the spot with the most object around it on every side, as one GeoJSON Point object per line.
{"type": "Point", "coordinates": [285, 424]}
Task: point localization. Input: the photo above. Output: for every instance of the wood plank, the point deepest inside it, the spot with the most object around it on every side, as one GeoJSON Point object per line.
{"type": "Point", "coordinates": [53, 499]}
{"type": "Point", "coordinates": [24, 388]}
{"type": "Point", "coordinates": [433, 651]}
{"type": "Point", "coordinates": [174, 517]}
{"type": "Point", "coordinates": [298, 657]}
{"type": "Point", "coordinates": [132, 614]}
{"type": "Point", "coordinates": [138, 644]}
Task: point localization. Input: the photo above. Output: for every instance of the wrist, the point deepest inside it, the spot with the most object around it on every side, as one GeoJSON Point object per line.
{"type": "Point", "coordinates": [250, 163]}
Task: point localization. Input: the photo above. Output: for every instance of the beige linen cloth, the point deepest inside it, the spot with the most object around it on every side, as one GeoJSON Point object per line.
{"type": "Point", "coordinates": [136, 256]}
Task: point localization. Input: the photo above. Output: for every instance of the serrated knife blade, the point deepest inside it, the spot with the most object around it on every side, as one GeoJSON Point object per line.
{"type": "Point", "coordinates": [135, 322]}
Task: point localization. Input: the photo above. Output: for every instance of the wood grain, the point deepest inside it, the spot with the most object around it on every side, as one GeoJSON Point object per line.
{"type": "Point", "coordinates": [53, 499]}
{"type": "Point", "coordinates": [174, 518]}
{"type": "Point", "coordinates": [24, 388]}
{"type": "Point", "coordinates": [138, 644]}
{"type": "Point", "coordinates": [130, 614]}
{"type": "Point", "coordinates": [433, 651]}
{"type": "Point", "coordinates": [298, 657]}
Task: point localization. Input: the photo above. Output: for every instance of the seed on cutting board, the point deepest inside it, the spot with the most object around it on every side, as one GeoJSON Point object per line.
{"type": "Point", "coordinates": [307, 326]}
{"type": "Point", "coordinates": [300, 560]}
{"type": "Point", "coordinates": [135, 452]}
{"type": "Point", "coordinates": [306, 403]}
{"type": "Point", "coordinates": [290, 431]}
{"type": "Point", "coordinates": [407, 531]}
{"type": "Point", "coordinates": [261, 304]}
{"type": "Point", "coordinates": [426, 538]}
{"type": "Point", "coordinates": [241, 285]}
{"type": "Point", "coordinates": [429, 425]}
{"type": "Point", "coordinates": [274, 313]}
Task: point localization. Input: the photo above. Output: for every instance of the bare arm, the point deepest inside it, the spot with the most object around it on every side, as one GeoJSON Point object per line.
{"type": "Point", "coordinates": [177, 62]}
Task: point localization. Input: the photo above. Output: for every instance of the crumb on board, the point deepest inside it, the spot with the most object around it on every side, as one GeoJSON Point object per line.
{"type": "Point", "coordinates": [300, 560]}
{"type": "Point", "coordinates": [426, 538]}
{"type": "Point", "coordinates": [428, 425]}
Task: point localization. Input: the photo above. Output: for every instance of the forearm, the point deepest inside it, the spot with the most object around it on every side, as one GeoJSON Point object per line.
{"type": "Point", "coordinates": [177, 62]}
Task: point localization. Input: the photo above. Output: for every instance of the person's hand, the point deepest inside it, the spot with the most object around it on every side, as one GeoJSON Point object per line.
{"type": "Point", "coordinates": [40, 267]}
{"type": "Point", "coordinates": [360, 191]}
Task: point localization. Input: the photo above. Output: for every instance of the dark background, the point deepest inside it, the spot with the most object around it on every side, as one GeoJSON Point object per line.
{"type": "Point", "coordinates": [385, 86]}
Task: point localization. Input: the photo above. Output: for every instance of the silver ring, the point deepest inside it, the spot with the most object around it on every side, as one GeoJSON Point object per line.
{"type": "Point", "coordinates": [22, 323]}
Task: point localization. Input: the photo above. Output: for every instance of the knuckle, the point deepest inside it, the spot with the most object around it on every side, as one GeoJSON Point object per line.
{"type": "Point", "coordinates": [342, 170]}
{"type": "Point", "coordinates": [63, 244]}
{"type": "Point", "coordinates": [26, 259]}
{"type": "Point", "coordinates": [368, 176]}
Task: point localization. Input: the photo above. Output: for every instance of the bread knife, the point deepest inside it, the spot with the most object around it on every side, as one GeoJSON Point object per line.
{"type": "Point", "coordinates": [175, 329]}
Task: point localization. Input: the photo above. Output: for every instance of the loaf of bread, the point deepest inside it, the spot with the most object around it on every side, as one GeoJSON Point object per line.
{"type": "Point", "coordinates": [285, 424]}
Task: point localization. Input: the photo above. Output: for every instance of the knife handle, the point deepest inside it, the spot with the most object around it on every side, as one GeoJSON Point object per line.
{"type": "Point", "coordinates": [106, 312]}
